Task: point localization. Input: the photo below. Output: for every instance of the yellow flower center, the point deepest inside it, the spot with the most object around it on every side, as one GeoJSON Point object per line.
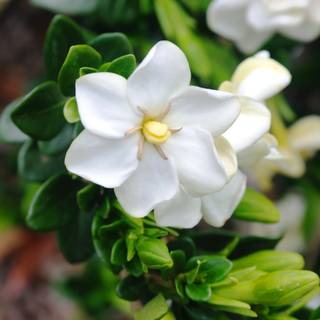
{"type": "Point", "coordinates": [156, 132]}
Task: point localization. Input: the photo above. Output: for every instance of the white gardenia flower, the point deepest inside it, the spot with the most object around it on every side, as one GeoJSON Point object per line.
{"type": "Point", "coordinates": [152, 134]}
{"type": "Point", "coordinates": [250, 23]}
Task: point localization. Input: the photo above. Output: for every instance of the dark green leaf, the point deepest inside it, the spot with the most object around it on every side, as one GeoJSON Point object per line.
{"type": "Point", "coordinates": [34, 166]}
{"type": "Point", "coordinates": [179, 260]}
{"type": "Point", "coordinates": [87, 70]}
{"type": "Point", "coordinates": [9, 132]}
{"type": "Point", "coordinates": [131, 288]}
{"type": "Point", "coordinates": [40, 113]}
{"type": "Point", "coordinates": [54, 204]}
{"type": "Point", "coordinates": [135, 267]}
{"type": "Point", "coordinates": [61, 35]}
{"type": "Point", "coordinates": [111, 45]}
{"type": "Point", "coordinates": [75, 239]}
{"type": "Point", "coordinates": [59, 143]}
{"type": "Point", "coordinates": [254, 206]}
{"type": "Point", "coordinates": [123, 66]}
{"type": "Point", "coordinates": [216, 240]}
{"type": "Point", "coordinates": [119, 253]}
{"type": "Point", "coordinates": [198, 292]}
{"type": "Point", "coordinates": [88, 197]}
{"type": "Point", "coordinates": [79, 56]}
{"type": "Point", "coordinates": [185, 244]}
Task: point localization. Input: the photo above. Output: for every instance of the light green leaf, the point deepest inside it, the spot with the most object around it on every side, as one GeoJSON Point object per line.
{"type": "Point", "coordinates": [153, 310]}
{"type": "Point", "coordinates": [254, 206]}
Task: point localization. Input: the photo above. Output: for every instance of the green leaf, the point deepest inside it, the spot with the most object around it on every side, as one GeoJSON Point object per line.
{"type": "Point", "coordinates": [111, 45]}
{"type": "Point", "coordinates": [119, 253]}
{"type": "Point", "coordinates": [135, 267]}
{"type": "Point", "coordinates": [179, 260]}
{"type": "Point", "coordinates": [123, 66]}
{"type": "Point", "coordinates": [34, 166]}
{"type": "Point", "coordinates": [87, 70]}
{"type": "Point", "coordinates": [254, 206]}
{"type": "Point", "coordinates": [78, 7]}
{"type": "Point", "coordinates": [61, 35]}
{"type": "Point", "coordinates": [40, 113]}
{"type": "Point", "coordinates": [88, 197]}
{"type": "Point", "coordinates": [198, 292]}
{"type": "Point", "coordinates": [54, 204]}
{"type": "Point", "coordinates": [212, 268]}
{"type": "Point", "coordinates": [59, 143]}
{"type": "Point", "coordinates": [75, 239]}
{"type": "Point", "coordinates": [131, 239]}
{"type": "Point", "coordinates": [131, 288]}
{"type": "Point", "coordinates": [9, 132]}
{"type": "Point", "coordinates": [70, 111]}
{"type": "Point", "coordinates": [154, 253]}
{"type": "Point", "coordinates": [155, 309]}
{"type": "Point", "coordinates": [216, 240]}
{"type": "Point", "coordinates": [185, 244]}
{"type": "Point", "coordinates": [79, 56]}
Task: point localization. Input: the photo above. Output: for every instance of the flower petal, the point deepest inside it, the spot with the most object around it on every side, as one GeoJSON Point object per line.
{"type": "Point", "coordinates": [211, 110]}
{"type": "Point", "coordinates": [106, 162]}
{"type": "Point", "coordinates": [306, 31]}
{"type": "Point", "coordinates": [304, 135]}
{"type": "Point", "coordinates": [227, 155]}
{"type": "Point", "coordinates": [228, 18]}
{"type": "Point", "coordinates": [218, 207]}
{"type": "Point", "coordinates": [253, 122]}
{"type": "Point", "coordinates": [264, 147]}
{"type": "Point", "coordinates": [265, 16]}
{"type": "Point", "coordinates": [154, 181]}
{"type": "Point", "coordinates": [164, 72]}
{"type": "Point", "coordinates": [314, 10]}
{"type": "Point", "coordinates": [260, 78]}
{"type": "Point", "coordinates": [220, 13]}
{"type": "Point", "coordinates": [182, 211]}
{"type": "Point", "coordinates": [103, 105]}
{"type": "Point", "coordinates": [195, 156]}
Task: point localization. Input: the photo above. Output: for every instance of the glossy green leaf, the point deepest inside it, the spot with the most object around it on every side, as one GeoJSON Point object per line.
{"type": "Point", "coordinates": [54, 204]}
{"type": "Point", "coordinates": [111, 45]}
{"type": "Point", "coordinates": [59, 143]}
{"type": "Point", "coordinates": [87, 70]}
{"type": "Point", "coordinates": [79, 7]}
{"type": "Point", "coordinates": [153, 310]}
{"type": "Point", "coordinates": [123, 66]}
{"type": "Point", "coordinates": [79, 56]}
{"type": "Point", "coordinates": [198, 292]}
{"type": "Point", "coordinates": [185, 244]}
{"type": "Point", "coordinates": [75, 239]}
{"type": "Point", "coordinates": [88, 197]}
{"type": "Point", "coordinates": [37, 167]}
{"type": "Point", "coordinates": [212, 268]}
{"type": "Point", "coordinates": [9, 132]}
{"type": "Point", "coordinates": [154, 253]}
{"type": "Point", "coordinates": [61, 35]}
{"type": "Point", "coordinates": [254, 206]}
{"type": "Point", "coordinates": [39, 114]}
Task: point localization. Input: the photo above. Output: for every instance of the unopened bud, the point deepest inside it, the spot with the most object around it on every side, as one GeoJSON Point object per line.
{"type": "Point", "coordinates": [282, 288]}
{"type": "Point", "coordinates": [270, 260]}
{"type": "Point", "coordinates": [154, 253]}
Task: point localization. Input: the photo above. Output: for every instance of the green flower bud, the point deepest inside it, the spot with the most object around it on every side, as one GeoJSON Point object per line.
{"type": "Point", "coordinates": [282, 288]}
{"type": "Point", "coordinates": [154, 253]}
{"type": "Point", "coordinates": [270, 260]}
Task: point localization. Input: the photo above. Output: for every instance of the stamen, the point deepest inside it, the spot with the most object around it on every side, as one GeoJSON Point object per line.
{"type": "Point", "coordinates": [132, 130]}
{"type": "Point", "coordinates": [164, 112]}
{"type": "Point", "coordinates": [175, 130]}
{"type": "Point", "coordinates": [161, 152]}
{"type": "Point", "coordinates": [140, 147]}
